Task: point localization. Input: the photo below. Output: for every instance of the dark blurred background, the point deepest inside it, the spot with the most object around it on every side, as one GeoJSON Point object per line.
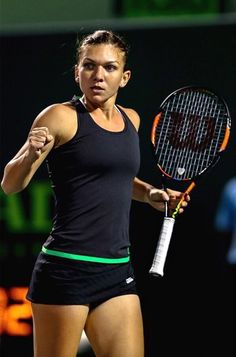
{"type": "Point", "coordinates": [191, 310]}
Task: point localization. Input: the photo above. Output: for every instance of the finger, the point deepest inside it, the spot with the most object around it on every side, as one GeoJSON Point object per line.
{"type": "Point", "coordinates": [42, 134]}
{"type": "Point", "coordinates": [35, 145]}
{"type": "Point", "coordinates": [49, 138]}
{"type": "Point", "coordinates": [41, 128]}
{"type": "Point", "coordinates": [187, 198]}
{"type": "Point", "coordinates": [158, 195]}
{"type": "Point", "coordinates": [40, 131]}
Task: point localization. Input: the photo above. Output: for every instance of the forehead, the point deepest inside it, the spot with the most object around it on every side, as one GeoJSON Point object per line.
{"type": "Point", "coordinates": [102, 52]}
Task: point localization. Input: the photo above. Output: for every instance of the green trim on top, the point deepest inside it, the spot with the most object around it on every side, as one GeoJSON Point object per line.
{"type": "Point", "coordinates": [85, 258]}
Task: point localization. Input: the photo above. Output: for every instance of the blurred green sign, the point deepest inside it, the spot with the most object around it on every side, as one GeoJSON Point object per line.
{"type": "Point", "coordinates": [168, 7]}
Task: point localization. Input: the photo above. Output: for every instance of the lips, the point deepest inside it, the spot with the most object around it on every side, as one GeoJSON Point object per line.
{"type": "Point", "coordinates": [97, 88]}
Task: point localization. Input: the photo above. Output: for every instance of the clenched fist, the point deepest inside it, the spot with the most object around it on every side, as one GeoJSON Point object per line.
{"type": "Point", "coordinates": [38, 139]}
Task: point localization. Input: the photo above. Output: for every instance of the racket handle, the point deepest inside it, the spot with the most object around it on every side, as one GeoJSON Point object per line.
{"type": "Point", "coordinates": [159, 259]}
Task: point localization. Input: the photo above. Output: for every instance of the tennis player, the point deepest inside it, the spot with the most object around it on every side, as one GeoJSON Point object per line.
{"type": "Point", "coordinates": [83, 278]}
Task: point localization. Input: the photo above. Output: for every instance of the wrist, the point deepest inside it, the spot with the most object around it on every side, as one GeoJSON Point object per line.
{"type": "Point", "coordinates": [30, 156]}
{"type": "Point", "coordinates": [148, 193]}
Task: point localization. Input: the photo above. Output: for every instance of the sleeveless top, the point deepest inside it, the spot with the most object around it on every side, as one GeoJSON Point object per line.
{"type": "Point", "coordinates": [92, 179]}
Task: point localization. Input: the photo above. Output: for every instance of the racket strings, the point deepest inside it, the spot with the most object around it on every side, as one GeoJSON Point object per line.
{"type": "Point", "coordinates": [189, 133]}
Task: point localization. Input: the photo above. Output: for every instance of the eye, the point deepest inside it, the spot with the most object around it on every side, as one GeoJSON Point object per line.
{"type": "Point", "coordinates": [88, 65]}
{"type": "Point", "coordinates": [110, 67]}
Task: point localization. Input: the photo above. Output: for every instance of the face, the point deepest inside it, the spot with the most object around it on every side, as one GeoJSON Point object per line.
{"type": "Point", "coordinates": [100, 72]}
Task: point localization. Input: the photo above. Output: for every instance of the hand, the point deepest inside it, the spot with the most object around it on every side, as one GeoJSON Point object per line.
{"type": "Point", "coordinates": [38, 139]}
{"type": "Point", "coordinates": [157, 199]}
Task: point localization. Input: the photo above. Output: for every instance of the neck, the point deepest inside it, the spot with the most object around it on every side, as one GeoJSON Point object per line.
{"type": "Point", "coordinates": [107, 110]}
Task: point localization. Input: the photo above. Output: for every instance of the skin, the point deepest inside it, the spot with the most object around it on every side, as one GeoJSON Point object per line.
{"type": "Point", "coordinates": [115, 327]}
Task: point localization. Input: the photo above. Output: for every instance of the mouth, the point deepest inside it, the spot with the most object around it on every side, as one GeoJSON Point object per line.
{"type": "Point", "coordinates": [97, 89]}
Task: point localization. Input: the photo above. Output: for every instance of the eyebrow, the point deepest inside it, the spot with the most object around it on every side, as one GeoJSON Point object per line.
{"type": "Point", "coordinates": [91, 60]}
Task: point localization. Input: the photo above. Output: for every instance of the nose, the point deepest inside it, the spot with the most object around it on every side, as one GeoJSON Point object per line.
{"type": "Point", "coordinates": [98, 73]}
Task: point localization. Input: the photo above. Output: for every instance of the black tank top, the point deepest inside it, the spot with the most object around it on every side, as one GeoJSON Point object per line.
{"type": "Point", "coordinates": [92, 178]}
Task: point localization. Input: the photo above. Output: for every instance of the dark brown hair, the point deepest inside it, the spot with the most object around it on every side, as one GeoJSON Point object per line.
{"type": "Point", "coordinates": [103, 37]}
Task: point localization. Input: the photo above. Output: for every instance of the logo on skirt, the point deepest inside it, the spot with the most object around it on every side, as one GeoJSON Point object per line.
{"type": "Point", "coordinates": [129, 280]}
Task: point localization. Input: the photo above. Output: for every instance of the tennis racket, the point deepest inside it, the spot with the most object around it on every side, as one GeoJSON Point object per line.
{"type": "Point", "coordinates": [189, 134]}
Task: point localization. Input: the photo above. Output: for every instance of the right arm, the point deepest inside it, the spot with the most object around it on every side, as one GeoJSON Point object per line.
{"type": "Point", "coordinates": [19, 170]}
{"type": "Point", "coordinates": [45, 133]}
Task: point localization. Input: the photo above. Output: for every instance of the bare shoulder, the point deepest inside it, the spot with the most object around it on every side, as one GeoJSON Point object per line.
{"type": "Point", "coordinates": [60, 119]}
{"type": "Point", "coordinates": [57, 112]}
{"type": "Point", "coordinates": [133, 116]}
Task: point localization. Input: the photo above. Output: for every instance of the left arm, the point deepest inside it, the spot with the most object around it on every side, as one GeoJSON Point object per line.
{"type": "Point", "coordinates": [144, 192]}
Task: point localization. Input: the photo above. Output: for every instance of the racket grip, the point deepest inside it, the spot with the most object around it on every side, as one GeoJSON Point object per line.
{"type": "Point", "coordinates": [159, 259]}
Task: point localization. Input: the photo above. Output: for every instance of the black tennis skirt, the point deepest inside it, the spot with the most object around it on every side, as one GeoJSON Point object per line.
{"type": "Point", "coordinates": [61, 281]}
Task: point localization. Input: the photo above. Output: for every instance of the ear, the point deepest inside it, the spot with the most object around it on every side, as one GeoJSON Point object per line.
{"type": "Point", "coordinates": [76, 73]}
{"type": "Point", "coordinates": [125, 78]}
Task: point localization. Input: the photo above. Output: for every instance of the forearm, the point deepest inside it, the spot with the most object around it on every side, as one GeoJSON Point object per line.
{"type": "Point", "coordinates": [20, 170]}
{"type": "Point", "coordinates": [17, 174]}
{"type": "Point", "coordinates": [141, 190]}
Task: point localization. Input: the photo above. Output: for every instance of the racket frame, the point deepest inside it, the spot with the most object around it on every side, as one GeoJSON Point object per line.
{"type": "Point", "coordinates": [157, 268]}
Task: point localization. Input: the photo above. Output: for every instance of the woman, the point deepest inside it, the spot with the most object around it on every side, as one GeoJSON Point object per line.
{"type": "Point", "coordinates": [83, 279]}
